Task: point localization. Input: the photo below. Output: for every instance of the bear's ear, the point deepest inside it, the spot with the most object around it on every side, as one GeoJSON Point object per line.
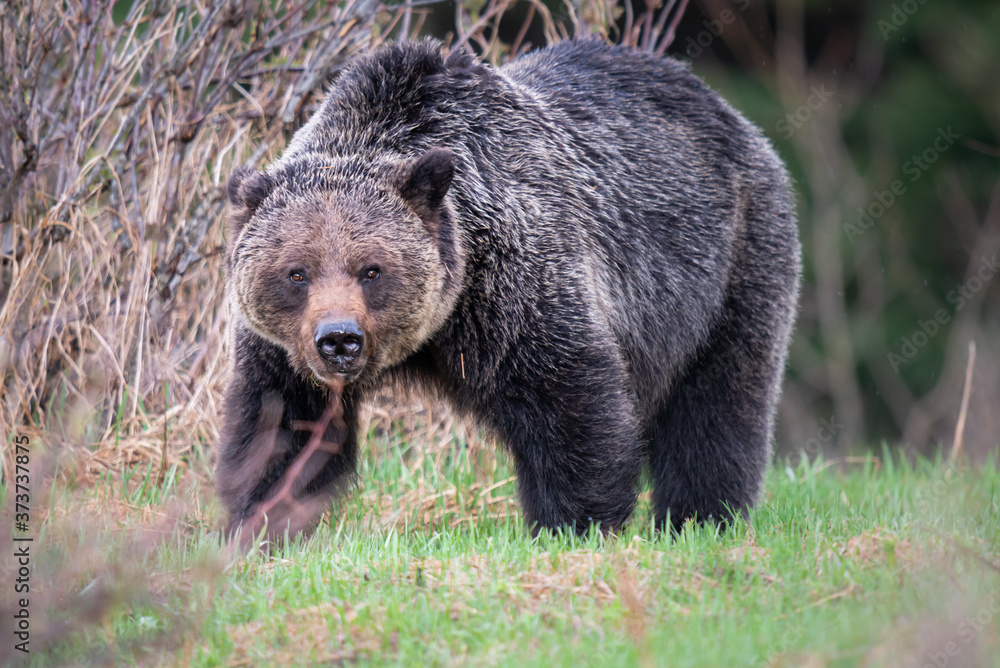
{"type": "Point", "coordinates": [425, 181]}
{"type": "Point", "coordinates": [246, 190]}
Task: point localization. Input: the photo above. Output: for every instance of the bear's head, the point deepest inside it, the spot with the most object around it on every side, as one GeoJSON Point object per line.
{"type": "Point", "coordinates": [349, 265]}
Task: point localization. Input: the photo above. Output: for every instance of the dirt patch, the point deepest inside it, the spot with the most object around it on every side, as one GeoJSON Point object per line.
{"type": "Point", "coordinates": [877, 546]}
{"type": "Point", "coordinates": [320, 633]}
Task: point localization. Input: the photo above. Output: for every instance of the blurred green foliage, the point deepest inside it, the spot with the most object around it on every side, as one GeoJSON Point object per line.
{"type": "Point", "coordinates": [899, 75]}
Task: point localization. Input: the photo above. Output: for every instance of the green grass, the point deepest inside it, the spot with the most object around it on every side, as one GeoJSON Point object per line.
{"type": "Point", "coordinates": [864, 563]}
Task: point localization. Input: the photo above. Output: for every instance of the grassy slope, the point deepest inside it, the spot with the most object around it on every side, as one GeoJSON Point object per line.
{"type": "Point", "coordinates": [428, 563]}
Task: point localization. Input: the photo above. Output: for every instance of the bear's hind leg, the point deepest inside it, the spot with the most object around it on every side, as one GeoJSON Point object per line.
{"type": "Point", "coordinates": [711, 442]}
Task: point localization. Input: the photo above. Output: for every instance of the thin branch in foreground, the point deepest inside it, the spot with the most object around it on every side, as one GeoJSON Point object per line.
{"type": "Point", "coordinates": [956, 445]}
{"type": "Point", "coordinates": [289, 508]}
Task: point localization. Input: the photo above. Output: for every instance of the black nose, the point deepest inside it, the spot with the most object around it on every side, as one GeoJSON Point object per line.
{"type": "Point", "coordinates": [339, 341]}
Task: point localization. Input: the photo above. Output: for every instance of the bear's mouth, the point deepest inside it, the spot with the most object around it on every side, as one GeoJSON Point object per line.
{"type": "Point", "coordinates": [336, 372]}
{"type": "Point", "coordinates": [331, 378]}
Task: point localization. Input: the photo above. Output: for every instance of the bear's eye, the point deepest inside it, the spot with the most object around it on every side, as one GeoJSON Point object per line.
{"type": "Point", "coordinates": [371, 273]}
{"type": "Point", "coordinates": [297, 277]}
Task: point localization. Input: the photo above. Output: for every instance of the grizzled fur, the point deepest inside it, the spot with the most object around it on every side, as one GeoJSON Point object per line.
{"type": "Point", "coordinates": [587, 250]}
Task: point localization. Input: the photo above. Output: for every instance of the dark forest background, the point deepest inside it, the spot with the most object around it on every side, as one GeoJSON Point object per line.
{"type": "Point", "coordinates": [119, 124]}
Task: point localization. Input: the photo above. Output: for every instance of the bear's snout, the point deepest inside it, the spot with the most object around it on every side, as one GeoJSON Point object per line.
{"type": "Point", "coordinates": [340, 343]}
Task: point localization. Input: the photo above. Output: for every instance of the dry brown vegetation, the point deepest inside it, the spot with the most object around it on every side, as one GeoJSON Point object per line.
{"type": "Point", "coordinates": [113, 327]}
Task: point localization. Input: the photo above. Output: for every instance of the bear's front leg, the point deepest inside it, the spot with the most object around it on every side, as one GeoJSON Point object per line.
{"type": "Point", "coordinates": [286, 448]}
{"type": "Point", "coordinates": [575, 442]}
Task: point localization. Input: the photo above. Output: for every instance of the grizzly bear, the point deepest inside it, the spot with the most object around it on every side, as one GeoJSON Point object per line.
{"type": "Point", "coordinates": [587, 251]}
